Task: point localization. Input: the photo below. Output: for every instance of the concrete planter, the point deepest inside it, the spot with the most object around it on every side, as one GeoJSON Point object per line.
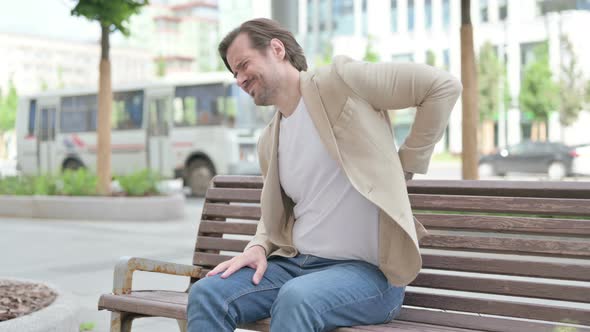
{"type": "Point", "coordinates": [59, 316]}
{"type": "Point", "coordinates": [152, 208]}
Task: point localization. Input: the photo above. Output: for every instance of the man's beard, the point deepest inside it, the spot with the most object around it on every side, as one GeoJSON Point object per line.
{"type": "Point", "coordinates": [262, 97]}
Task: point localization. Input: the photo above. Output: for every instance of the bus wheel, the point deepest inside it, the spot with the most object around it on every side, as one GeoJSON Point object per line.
{"type": "Point", "coordinates": [200, 174]}
{"type": "Point", "coordinates": [72, 164]}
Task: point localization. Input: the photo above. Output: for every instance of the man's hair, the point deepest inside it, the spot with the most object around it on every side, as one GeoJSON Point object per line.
{"type": "Point", "coordinates": [260, 31]}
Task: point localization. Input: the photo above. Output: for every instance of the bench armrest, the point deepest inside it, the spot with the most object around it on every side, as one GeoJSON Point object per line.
{"type": "Point", "coordinates": [124, 269]}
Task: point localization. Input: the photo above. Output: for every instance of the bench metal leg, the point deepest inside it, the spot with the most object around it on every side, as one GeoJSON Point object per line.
{"type": "Point", "coordinates": [181, 325]}
{"type": "Point", "coordinates": [121, 322]}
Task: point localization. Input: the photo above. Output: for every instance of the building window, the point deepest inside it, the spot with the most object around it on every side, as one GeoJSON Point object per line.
{"type": "Point", "coordinates": [393, 15]}
{"type": "Point", "coordinates": [310, 11]}
{"type": "Point", "coordinates": [502, 9]}
{"type": "Point", "coordinates": [410, 15]}
{"type": "Point", "coordinates": [404, 57]}
{"type": "Point", "coordinates": [365, 18]}
{"type": "Point", "coordinates": [428, 13]}
{"type": "Point", "coordinates": [446, 6]}
{"type": "Point", "coordinates": [483, 11]}
{"type": "Point", "coordinates": [343, 17]}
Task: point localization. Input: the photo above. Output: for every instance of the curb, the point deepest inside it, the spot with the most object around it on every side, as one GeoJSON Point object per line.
{"type": "Point", "coordinates": [59, 316]}
{"type": "Point", "coordinates": [153, 208]}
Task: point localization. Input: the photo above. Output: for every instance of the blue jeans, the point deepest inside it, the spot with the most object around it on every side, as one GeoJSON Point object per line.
{"type": "Point", "coordinates": [303, 293]}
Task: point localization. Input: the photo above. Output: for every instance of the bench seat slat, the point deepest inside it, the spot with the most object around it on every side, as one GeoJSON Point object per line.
{"type": "Point", "coordinates": [172, 304]}
{"type": "Point", "coordinates": [486, 323]}
{"type": "Point", "coordinates": [151, 303]}
{"type": "Point", "coordinates": [503, 287]}
{"type": "Point", "coordinates": [516, 267]}
{"type": "Point", "coordinates": [500, 308]}
{"type": "Point", "coordinates": [514, 224]}
{"type": "Point", "coordinates": [233, 195]}
{"type": "Point", "coordinates": [538, 206]}
{"type": "Point", "coordinates": [218, 210]}
{"type": "Point", "coordinates": [513, 245]}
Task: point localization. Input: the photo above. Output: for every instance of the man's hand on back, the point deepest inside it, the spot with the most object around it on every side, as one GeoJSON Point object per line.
{"type": "Point", "coordinates": [254, 257]}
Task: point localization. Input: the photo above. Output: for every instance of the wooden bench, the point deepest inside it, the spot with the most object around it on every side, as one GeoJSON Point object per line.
{"type": "Point", "coordinates": [500, 256]}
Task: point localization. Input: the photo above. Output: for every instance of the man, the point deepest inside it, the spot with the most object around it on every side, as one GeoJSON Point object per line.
{"type": "Point", "coordinates": [337, 241]}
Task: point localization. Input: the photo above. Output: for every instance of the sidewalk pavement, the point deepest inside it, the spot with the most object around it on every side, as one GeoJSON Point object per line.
{"type": "Point", "coordinates": [79, 256]}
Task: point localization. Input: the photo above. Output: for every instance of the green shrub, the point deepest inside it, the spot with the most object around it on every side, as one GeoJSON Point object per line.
{"type": "Point", "coordinates": [80, 182]}
{"type": "Point", "coordinates": [15, 185]}
{"type": "Point", "coordinates": [44, 185]}
{"type": "Point", "coordinates": [140, 183]}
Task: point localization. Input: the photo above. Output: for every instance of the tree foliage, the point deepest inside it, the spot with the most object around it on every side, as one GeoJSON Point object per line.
{"type": "Point", "coordinates": [370, 54]}
{"type": "Point", "coordinates": [430, 58]}
{"type": "Point", "coordinates": [538, 93]}
{"type": "Point", "coordinates": [571, 92]}
{"type": "Point", "coordinates": [112, 14]}
{"type": "Point", "coordinates": [8, 107]}
{"type": "Point", "coordinates": [490, 73]}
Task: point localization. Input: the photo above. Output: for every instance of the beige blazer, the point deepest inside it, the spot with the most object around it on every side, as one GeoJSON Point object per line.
{"type": "Point", "coordinates": [347, 102]}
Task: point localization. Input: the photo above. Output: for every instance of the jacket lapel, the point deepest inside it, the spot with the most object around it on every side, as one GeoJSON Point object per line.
{"type": "Point", "coordinates": [271, 191]}
{"type": "Point", "coordinates": [317, 112]}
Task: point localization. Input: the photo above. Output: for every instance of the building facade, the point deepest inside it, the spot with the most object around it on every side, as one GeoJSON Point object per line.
{"type": "Point", "coordinates": [428, 31]}
{"type": "Point", "coordinates": [36, 63]}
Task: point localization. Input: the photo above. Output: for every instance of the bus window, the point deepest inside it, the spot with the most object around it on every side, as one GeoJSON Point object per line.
{"type": "Point", "coordinates": [185, 111]}
{"type": "Point", "coordinates": [198, 105]}
{"type": "Point", "coordinates": [78, 114]}
{"type": "Point", "coordinates": [127, 110]}
{"type": "Point", "coordinates": [32, 117]}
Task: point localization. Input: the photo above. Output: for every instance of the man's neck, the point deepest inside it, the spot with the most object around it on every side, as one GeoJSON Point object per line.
{"type": "Point", "coordinates": [289, 96]}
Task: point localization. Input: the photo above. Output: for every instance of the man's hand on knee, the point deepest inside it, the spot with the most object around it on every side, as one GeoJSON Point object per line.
{"type": "Point", "coordinates": [254, 257]}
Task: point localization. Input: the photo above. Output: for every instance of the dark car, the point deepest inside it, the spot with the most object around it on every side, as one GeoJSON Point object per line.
{"type": "Point", "coordinates": [554, 159]}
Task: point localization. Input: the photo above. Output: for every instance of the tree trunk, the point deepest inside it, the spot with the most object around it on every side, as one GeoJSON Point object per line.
{"type": "Point", "coordinates": [105, 96]}
{"type": "Point", "coordinates": [542, 131]}
{"type": "Point", "coordinates": [534, 131]}
{"type": "Point", "coordinates": [487, 132]}
{"type": "Point", "coordinates": [469, 98]}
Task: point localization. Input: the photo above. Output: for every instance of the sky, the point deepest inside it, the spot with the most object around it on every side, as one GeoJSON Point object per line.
{"type": "Point", "coordinates": [50, 18]}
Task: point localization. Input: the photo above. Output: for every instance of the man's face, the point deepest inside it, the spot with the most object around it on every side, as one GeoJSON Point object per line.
{"type": "Point", "coordinates": [256, 72]}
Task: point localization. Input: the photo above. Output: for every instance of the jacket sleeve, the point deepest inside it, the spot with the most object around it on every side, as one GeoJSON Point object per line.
{"type": "Point", "coordinates": [388, 86]}
{"type": "Point", "coordinates": [261, 236]}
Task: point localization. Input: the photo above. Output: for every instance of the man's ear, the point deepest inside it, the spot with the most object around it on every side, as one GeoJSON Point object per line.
{"type": "Point", "coordinates": [277, 48]}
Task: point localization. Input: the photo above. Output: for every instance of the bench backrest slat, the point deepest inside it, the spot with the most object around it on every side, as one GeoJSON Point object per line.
{"type": "Point", "coordinates": [505, 224]}
{"type": "Point", "coordinates": [577, 270]}
{"type": "Point", "coordinates": [544, 189]}
{"type": "Point", "coordinates": [540, 206]}
{"type": "Point", "coordinates": [500, 308]}
{"type": "Point", "coordinates": [493, 247]}
{"type": "Point", "coordinates": [215, 210]}
{"type": "Point", "coordinates": [565, 248]}
{"type": "Point", "coordinates": [512, 287]}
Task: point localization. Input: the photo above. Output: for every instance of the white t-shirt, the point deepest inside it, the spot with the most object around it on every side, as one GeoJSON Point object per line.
{"type": "Point", "coordinates": [332, 219]}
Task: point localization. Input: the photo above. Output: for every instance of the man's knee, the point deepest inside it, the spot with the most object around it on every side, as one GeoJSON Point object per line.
{"type": "Point", "coordinates": [202, 293]}
{"type": "Point", "coordinates": [294, 305]}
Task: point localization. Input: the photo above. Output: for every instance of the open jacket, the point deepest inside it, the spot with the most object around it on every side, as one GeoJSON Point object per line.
{"type": "Point", "coordinates": [347, 102]}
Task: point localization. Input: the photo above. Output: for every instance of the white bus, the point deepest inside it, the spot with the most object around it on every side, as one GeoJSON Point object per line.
{"type": "Point", "coordinates": [190, 129]}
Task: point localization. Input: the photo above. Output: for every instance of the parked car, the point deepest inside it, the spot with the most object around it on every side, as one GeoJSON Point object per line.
{"type": "Point", "coordinates": [581, 165]}
{"type": "Point", "coordinates": [551, 158]}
